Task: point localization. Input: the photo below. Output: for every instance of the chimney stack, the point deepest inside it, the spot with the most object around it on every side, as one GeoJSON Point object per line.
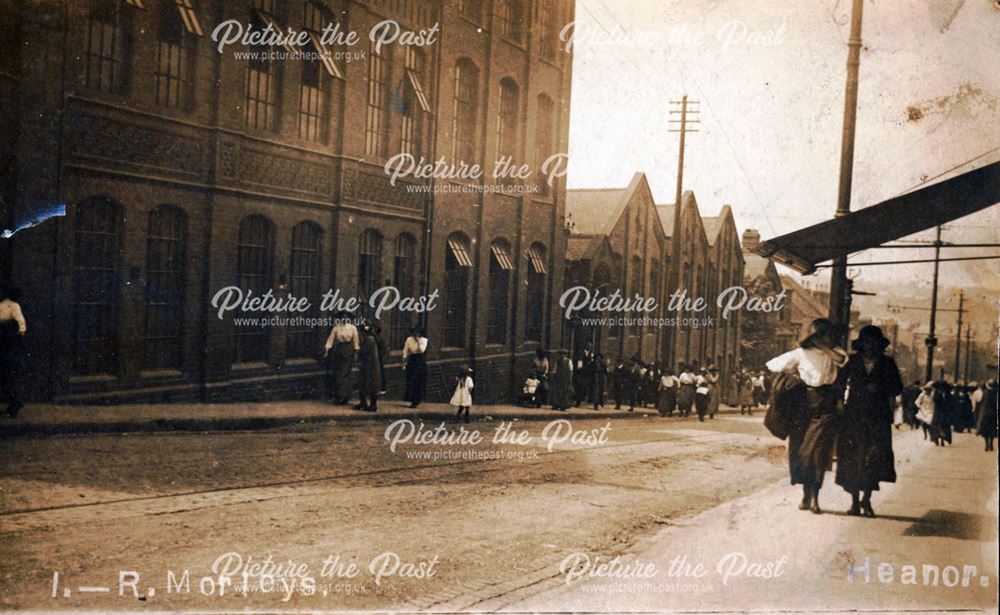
{"type": "Point", "coordinates": [751, 238]}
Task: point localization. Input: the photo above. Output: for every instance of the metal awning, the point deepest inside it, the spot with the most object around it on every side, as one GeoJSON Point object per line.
{"type": "Point", "coordinates": [503, 258]}
{"type": "Point", "coordinates": [459, 252]}
{"type": "Point", "coordinates": [898, 217]}
{"type": "Point", "coordinates": [537, 261]}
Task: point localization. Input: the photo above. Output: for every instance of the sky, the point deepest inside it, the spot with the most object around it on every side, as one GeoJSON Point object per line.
{"type": "Point", "coordinates": [770, 75]}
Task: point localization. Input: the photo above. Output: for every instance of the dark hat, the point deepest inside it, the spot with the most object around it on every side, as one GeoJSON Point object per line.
{"type": "Point", "coordinates": [870, 332]}
{"type": "Point", "coordinates": [821, 327]}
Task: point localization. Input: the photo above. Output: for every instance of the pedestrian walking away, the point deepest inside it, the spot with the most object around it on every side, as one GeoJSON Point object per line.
{"type": "Point", "coordinates": [810, 449]}
{"type": "Point", "coordinates": [415, 365]}
{"type": "Point", "coordinates": [462, 397]}
{"type": "Point", "coordinates": [986, 414]}
{"type": "Point", "coordinates": [341, 349]}
{"type": "Point", "coordinates": [864, 446]}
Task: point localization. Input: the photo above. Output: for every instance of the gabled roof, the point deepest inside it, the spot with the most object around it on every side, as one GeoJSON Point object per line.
{"type": "Point", "coordinates": [714, 224]}
{"type": "Point", "coordinates": [577, 246]}
{"type": "Point", "coordinates": [666, 219]}
{"type": "Point", "coordinates": [597, 211]}
{"type": "Point", "coordinates": [592, 209]}
{"type": "Point", "coordinates": [803, 301]}
{"type": "Point", "coordinates": [666, 212]}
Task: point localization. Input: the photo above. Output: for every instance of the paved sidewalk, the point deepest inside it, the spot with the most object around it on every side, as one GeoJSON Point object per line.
{"type": "Point", "coordinates": [760, 553]}
{"type": "Point", "coordinates": [50, 419]}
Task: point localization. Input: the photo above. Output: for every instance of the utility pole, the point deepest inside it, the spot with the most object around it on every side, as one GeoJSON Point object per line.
{"type": "Point", "coordinates": [840, 298]}
{"type": "Point", "coordinates": [958, 336]}
{"type": "Point", "coordinates": [931, 340]}
{"type": "Point", "coordinates": [682, 108]}
{"type": "Point", "coordinates": [968, 354]}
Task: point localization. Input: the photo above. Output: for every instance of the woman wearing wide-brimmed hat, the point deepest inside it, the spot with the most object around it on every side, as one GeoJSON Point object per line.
{"type": "Point", "coordinates": [816, 362]}
{"type": "Point", "coordinates": [864, 447]}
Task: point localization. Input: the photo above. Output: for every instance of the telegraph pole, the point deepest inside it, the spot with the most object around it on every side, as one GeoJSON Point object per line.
{"type": "Point", "coordinates": [683, 108]}
{"type": "Point", "coordinates": [958, 336]}
{"type": "Point", "coordinates": [931, 341]}
{"type": "Point", "coordinates": [840, 298]}
{"type": "Point", "coordinates": [968, 355]}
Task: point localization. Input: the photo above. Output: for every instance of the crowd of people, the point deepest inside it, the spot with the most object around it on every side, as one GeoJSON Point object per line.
{"type": "Point", "coordinates": [593, 380]}
{"type": "Point", "coordinates": [828, 402]}
{"type": "Point", "coordinates": [941, 409]}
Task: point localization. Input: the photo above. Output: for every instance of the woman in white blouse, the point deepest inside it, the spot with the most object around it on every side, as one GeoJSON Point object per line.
{"type": "Point", "coordinates": [817, 362]}
{"type": "Point", "coordinates": [415, 364]}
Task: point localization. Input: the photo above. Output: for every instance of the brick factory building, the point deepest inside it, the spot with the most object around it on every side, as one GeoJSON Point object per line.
{"type": "Point", "coordinates": [620, 239]}
{"type": "Point", "coordinates": [185, 170]}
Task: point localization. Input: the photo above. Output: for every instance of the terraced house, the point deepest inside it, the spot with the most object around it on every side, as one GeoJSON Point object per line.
{"type": "Point", "coordinates": [185, 170]}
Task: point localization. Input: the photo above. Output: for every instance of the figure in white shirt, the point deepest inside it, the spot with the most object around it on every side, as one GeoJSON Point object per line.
{"type": "Point", "coordinates": [415, 364]}
{"type": "Point", "coordinates": [344, 343]}
{"type": "Point", "coordinates": [810, 447]}
{"type": "Point", "coordinates": [13, 358]}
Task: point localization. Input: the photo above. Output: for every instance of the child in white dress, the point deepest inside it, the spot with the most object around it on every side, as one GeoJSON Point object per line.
{"type": "Point", "coordinates": [462, 397]}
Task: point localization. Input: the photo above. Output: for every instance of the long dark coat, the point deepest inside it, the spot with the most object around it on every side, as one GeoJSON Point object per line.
{"type": "Point", "coordinates": [561, 384]}
{"type": "Point", "coordinates": [986, 414]}
{"type": "Point", "coordinates": [370, 377]}
{"type": "Point", "coordinates": [864, 446]}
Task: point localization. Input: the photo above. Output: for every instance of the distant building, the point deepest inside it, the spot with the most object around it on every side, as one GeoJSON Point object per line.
{"type": "Point", "coordinates": [765, 334]}
{"type": "Point", "coordinates": [616, 243]}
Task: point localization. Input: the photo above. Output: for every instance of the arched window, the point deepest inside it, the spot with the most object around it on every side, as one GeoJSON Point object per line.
{"type": "Point", "coordinates": [304, 275]}
{"type": "Point", "coordinates": [369, 263]}
{"type": "Point", "coordinates": [254, 266]}
{"type": "Point", "coordinates": [507, 120]}
{"type": "Point", "coordinates": [262, 79]}
{"type": "Point", "coordinates": [617, 283]}
{"type": "Point", "coordinates": [534, 320]}
{"type": "Point", "coordinates": [96, 265]}
{"type": "Point", "coordinates": [166, 238]}
{"type": "Point", "coordinates": [405, 280]}
{"type": "Point", "coordinates": [457, 267]}
{"type": "Point", "coordinates": [544, 139]}
{"type": "Point", "coordinates": [501, 269]}
{"type": "Point", "coordinates": [465, 112]}
{"type": "Point", "coordinates": [107, 54]}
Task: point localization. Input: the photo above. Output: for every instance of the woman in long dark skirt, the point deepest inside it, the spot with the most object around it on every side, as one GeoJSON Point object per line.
{"type": "Point", "coordinates": [415, 364]}
{"type": "Point", "coordinates": [561, 382]}
{"type": "Point", "coordinates": [369, 370]}
{"type": "Point", "coordinates": [341, 349]}
{"type": "Point", "coordinates": [864, 448]}
{"type": "Point", "coordinates": [668, 393]}
{"type": "Point", "coordinates": [810, 448]}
